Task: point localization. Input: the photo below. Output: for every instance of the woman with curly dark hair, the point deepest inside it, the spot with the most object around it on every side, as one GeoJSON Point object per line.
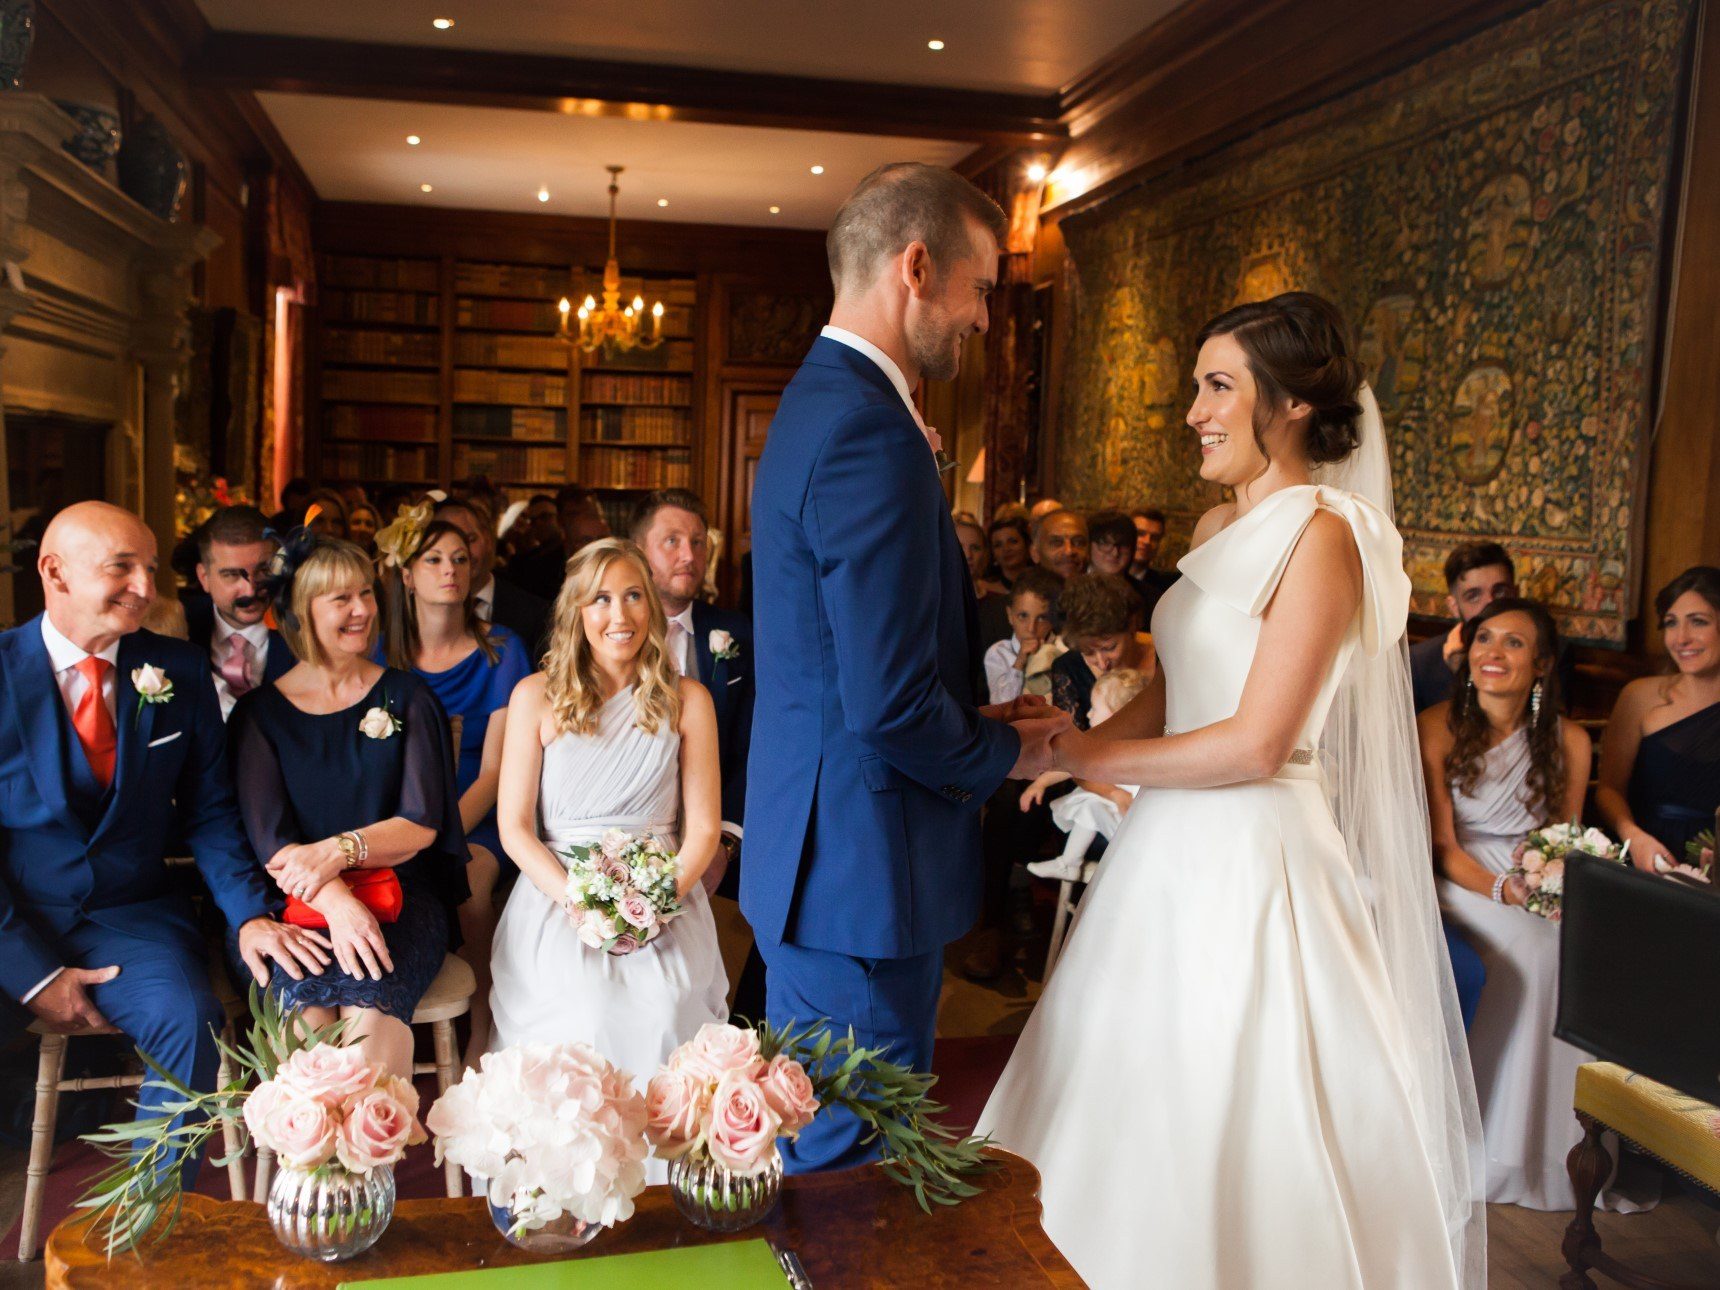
{"type": "Point", "coordinates": [1501, 761]}
{"type": "Point", "coordinates": [1101, 627]}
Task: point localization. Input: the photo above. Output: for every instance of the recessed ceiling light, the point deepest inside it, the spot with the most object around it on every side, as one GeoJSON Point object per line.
{"type": "Point", "coordinates": [1037, 172]}
{"type": "Point", "coordinates": [441, 24]}
{"type": "Point", "coordinates": [662, 201]}
{"type": "Point", "coordinates": [818, 170]}
{"type": "Point", "coordinates": [776, 210]}
{"type": "Point", "coordinates": [934, 44]}
{"type": "Point", "coordinates": [413, 140]}
{"type": "Point", "coordinates": [543, 194]}
{"type": "Point", "coordinates": [423, 188]}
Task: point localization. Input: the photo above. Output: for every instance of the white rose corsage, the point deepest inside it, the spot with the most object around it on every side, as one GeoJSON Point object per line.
{"type": "Point", "coordinates": [152, 685]}
{"type": "Point", "coordinates": [723, 645]}
{"type": "Point", "coordinates": [380, 723]}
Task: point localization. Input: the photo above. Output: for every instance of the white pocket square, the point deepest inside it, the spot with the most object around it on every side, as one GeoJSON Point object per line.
{"type": "Point", "coordinates": [165, 739]}
{"type": "Point", "coordinates": [736, 680]}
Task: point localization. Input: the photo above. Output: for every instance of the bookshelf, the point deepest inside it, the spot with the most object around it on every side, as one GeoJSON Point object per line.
{"type": "Point", "coordinates": [430, 370]}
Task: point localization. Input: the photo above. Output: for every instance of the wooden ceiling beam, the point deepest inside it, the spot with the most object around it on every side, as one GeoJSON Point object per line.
{"type": "Point", "coordinates": [590, 87]}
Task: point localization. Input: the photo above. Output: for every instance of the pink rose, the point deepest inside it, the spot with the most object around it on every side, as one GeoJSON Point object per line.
{"type": "Point", "coordinates": [614, 842]}
{"type": "Point", "coordinates": [722, 1048]}
{"type": "Point", "coordinates": [1534, 861]}
{"type": "Point", "coordinates": [300, 1130]}
{"type": "Point", "coordinates": [675, 1104]}
{"type": "Point", "coordinates": [328, 1073]}
{"type": "Point", "coordinates": [1533, 880]}
{"type": "Point", "coordinates": [615, 870]}
{"type": "Point", "coordinates": [625, 943]}
{"type": "Point", "coordinates": [743, 1127]}
{"type": "Point", "coordinates": [788, 1091]}
{"type": "Point", "coordinates": [375, 1132]}
{"type": "Point", "coordinates": [635, 910]}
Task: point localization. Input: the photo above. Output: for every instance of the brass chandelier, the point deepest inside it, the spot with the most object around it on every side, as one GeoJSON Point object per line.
{"type": "Point", "coordinates": [612, 323]}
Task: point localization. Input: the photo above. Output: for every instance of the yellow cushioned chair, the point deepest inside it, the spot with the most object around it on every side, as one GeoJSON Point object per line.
{"type": "Point", "coordinates": [1681, 1132]}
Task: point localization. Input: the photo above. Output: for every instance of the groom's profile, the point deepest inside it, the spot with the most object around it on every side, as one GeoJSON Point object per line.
{"type": "Point", "coordinates": [873, 759]}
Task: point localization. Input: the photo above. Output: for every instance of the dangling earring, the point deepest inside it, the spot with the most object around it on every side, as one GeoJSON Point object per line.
{"type": "Point", "coordinates": [1535, 705]}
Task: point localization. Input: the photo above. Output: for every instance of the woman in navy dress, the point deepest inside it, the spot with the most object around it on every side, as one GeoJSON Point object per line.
{"type": "Point", "coordinates": [1660, 757]}
{"type": "Point", "coordinates": [431, 626]}
{"type": "Point", "coordinates": [344, 766]}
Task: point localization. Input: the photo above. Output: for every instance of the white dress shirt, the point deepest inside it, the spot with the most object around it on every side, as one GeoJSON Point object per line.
{"type": "Point", "coordinates": [484, 600]}
{"type": "Point", "coordinates": [887, 365]}
{"type": "Point", "coordinates": [257, 634]}
{"type": "Point", "coordinates": [64, 657]}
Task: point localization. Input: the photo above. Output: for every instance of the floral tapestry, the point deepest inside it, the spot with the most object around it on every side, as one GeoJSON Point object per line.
{"type": "Point", "coordinates": [1492, 222]}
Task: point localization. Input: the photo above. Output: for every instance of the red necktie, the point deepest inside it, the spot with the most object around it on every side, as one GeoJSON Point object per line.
{"type": "Point", "coordinates": [93, 721]}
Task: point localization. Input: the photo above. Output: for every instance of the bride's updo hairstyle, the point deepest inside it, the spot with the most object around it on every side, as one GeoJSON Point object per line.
{"type": "Point", "coordinates": [1295, 348]}
{"type": "Point", "coordinates": [572, 686]}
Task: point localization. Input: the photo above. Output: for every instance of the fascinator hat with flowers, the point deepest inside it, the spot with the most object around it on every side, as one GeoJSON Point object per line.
{"type": "Point", "coordinates": [399, 542]}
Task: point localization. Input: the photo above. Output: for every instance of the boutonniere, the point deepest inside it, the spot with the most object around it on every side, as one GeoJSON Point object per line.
{"type": "Point", "coordinates": [380, 723]}
{"type": "Point", "coordinates": [152, 686]}
{"type": "Point", "coordinates": [723, 645]}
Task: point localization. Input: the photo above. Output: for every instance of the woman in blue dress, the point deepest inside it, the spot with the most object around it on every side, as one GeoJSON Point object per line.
{"type": "Point", "coordinates": [343, 770]}
{"type": "Point", "coordinates": [431, 627]}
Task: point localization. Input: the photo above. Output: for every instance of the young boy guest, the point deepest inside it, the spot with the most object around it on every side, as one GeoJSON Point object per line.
{"type": "Point", "coordinates": [1025, 656]}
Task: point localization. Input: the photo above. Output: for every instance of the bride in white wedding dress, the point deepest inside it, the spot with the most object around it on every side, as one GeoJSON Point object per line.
{"type": "Point", "coordinates": [1247, 1070]}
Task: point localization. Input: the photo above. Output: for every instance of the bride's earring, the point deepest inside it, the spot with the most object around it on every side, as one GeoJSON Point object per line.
{"type": "Point", "coordinates": [1535, 705]}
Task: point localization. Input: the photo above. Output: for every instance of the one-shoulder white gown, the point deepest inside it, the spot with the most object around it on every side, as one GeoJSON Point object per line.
{"type": "Point", "coordinates": [1214, 1085]}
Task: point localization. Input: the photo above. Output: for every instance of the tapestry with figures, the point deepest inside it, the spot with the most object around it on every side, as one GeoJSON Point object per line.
{"type": "Point", "coordinates": [1492, 221]}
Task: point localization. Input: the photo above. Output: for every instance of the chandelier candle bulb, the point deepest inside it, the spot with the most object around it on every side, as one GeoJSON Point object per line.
{"type": "Point", "coordinates": [611, 324]}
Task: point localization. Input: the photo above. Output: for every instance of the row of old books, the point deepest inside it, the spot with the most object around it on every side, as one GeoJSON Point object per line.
{"type": "Point", "coordinates": [634, 468]}
{"type": "Point", "coordinates": [511, 463]}
{"type": "Point", "coordinates": [372, 386]}
{"type": "Point", "coordinates": [637, 424]}
{"type": "Point", "coordinates": [375, 461]}
{"type": "Point", "coordinates": [617, 387]}
{"type": "Point", "coordinates": [499, 421]}
{"type": "Point", "coordinates": [381, 307]}
{"type": "Point", "coordinates": [484, 385]}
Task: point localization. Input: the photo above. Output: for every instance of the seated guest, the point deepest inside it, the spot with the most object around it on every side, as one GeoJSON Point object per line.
{"type": "Point", "coordinates": [431, 627]}
{"type": "Point", "coordinates": [1500, 761]}
{"type": "Point", "coordinates": [1009, 662]}
{"type": "Point", "coordinates": [345, 779]}
{"type": "Point", "coordinates": [496, 601]}
{"type": "Point", "coordinates": [1110, 543]}
{"type": "Point", "coordinates": [1094, 810]}
{"type": "Point", "coordinates": [102, 764]}
{"type": "Point", "coordinates": [1060, 543]}
{"type": "Point", "coordinates": [361, 526]}
{"type": "Point", "coordinates": [1151, 583]}
{"type": "Point", "coordinates": [582, 519]}
{"type": "Point", "coordinates": [1660, 757]}
{"type": "Point", "coordinates": [1011, 540]}
{"type": "Point", "coordinates": [1101, 627]}
{"type": "Point", "coordinates": [712, 646]}
{"type": "Point", "coordinates": [229, 621]}
{"type": "Point", "coordinates": [1043, 507]}
{"type": "Point", "coordinates": [977, 549]}
{"type": "Point", "coordinates": [539, 568]}
{"type": "Point", "coordinates": [330, 518]}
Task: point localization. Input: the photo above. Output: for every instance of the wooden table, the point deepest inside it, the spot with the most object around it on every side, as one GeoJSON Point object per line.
{"type": "Point", "coordinates": [851, 1229]}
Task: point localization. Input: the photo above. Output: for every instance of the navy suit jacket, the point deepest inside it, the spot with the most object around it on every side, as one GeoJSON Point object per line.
{"type": "Point", "coordinates": [200, 630]}
{"type": "Point", "coordinates": [70, 854]}
{"type": "Point", "coordinates": [730, 681]}
{"type": "Point", "coordinates": [866, 781]}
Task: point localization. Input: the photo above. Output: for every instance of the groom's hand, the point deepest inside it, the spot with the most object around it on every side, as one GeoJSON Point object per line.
{"type": "Point", "coordinates": [1037, 730]}
{"type": "Point", "coordinates": [1025, 705]}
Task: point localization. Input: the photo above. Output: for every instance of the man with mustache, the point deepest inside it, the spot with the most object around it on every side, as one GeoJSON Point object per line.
{"type": "Point", "coordinates": [230, 619]}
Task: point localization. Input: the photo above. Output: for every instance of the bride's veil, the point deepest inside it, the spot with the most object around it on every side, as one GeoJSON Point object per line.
{"type": "Point", "coordinates": [1381, 808]}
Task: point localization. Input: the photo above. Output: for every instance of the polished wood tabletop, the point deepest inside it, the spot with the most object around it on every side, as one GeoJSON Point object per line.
{"type": "Point", "coordinates": [851, 1229]}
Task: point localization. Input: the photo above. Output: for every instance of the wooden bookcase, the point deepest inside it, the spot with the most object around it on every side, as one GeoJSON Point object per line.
{"type": "Point", "coordinates": [431, 370]}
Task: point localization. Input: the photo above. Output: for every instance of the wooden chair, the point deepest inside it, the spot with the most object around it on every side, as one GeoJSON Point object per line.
{"type": "Point", "coordinates": [50, 1083]}
{"type": "Point", "coordinates": [1660, 1122]}
{"type": "Point", "coordinates": [1065, 909]}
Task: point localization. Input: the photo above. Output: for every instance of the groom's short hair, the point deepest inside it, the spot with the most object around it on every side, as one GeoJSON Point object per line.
{"type": "Point", "coordinates": [902, 202]}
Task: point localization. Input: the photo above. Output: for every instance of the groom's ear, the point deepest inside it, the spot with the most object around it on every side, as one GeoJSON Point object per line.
{"type": "Point", "coordinates": [915, 265]}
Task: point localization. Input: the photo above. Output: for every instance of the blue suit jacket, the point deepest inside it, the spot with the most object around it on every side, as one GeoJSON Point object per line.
{"type": "Point", "coordinates": [730, 681]}
{"type": "Point", "coordinates": [871, 764]}
{"type": "Point", "coordinates": [70, 854]}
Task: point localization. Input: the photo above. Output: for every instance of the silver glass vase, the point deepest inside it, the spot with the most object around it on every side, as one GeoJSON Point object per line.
{"type": "Point", "coordinates": [561, 1235]}
{"type": "Point", "coordinates": [711, 1197]}
{"type": "Point", "coordinates": [329, 1213]}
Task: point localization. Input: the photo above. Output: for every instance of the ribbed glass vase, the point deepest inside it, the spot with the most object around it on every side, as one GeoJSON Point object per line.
{"type": "Point", "coordinates": [329, 1214]}
{"type": "Point", "coordinates": [561, 1235]}
{"type": "Point", "coordinates": [711, 1197]}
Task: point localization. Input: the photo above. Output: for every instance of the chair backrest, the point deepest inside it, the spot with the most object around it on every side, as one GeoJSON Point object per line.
{"type": "Point", "coordinates": [1639, 976]}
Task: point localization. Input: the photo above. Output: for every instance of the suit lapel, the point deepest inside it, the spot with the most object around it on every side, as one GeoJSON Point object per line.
{"type": "Point", "coordinates": [702, 646]}
{"type": "Point", "coordinates": [278, 661]}
{"type": "Point", "coordinates": [134, 724]}
{"type": "Point", "coordinates": [39, 711]}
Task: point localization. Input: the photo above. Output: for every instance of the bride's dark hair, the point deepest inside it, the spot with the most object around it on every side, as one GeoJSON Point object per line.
{"type": "Point", "coordinates": [1296, 349]}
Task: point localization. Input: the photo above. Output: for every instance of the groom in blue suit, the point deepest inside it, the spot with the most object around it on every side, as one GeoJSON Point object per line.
{"type": "Point", "coordinates": [111, 741]}
{"type": "Point", "coordinates": [872, 758]}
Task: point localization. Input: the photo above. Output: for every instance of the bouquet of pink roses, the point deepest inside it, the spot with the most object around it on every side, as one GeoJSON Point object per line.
{"type": "Point", "coordinates": [327, 1103]}
{"type": "Point", "coordinates": [621, 891]}
{"type": "Point", "coordinates": [1539, 860]}
{"type": "Point", "coordinates": [729, 1093]}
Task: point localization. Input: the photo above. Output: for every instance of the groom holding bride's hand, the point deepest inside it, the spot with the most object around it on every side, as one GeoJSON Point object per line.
{"type": "Point", "coordinates": [870, 759]}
